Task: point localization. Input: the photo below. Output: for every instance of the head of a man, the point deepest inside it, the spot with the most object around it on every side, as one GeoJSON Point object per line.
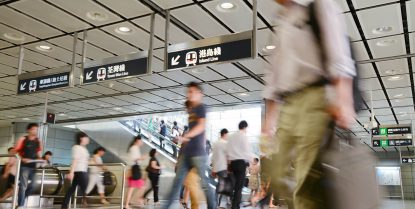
{"type": "Point", "coordinates": [100, 151]}
{"type": "Point", "coordinates": [48, 155]}
{"type": "Point", "coordinates": [11, 151]}
{"type": "Point", "coordinates": [194, 93]}
{"type": "Point", "coordinates": [243, 125]}
{"type": "Point", "coordinates": [32, 129]}
{"type": "Point", "coordinates": [224, 133]}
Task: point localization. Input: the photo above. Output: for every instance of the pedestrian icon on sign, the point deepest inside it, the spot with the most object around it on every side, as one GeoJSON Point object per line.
{"type": "Point", "coordinates": [191, 58]}
{"type": "Point", "coordinates": [32, 85]}
{"type": "Point", "coordinates": [101, 74]}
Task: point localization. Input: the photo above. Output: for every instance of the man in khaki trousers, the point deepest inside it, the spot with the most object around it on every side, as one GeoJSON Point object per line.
{"type": "Point", "coordinates": [298, 83]}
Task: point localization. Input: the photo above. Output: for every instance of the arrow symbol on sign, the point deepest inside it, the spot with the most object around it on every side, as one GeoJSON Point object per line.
{"type": "Point", "coordinates": [89, 75]}
{"type": "Point", "coordinates": [174, 60]}
{"type": "Point", "coordinates": [23, 86]}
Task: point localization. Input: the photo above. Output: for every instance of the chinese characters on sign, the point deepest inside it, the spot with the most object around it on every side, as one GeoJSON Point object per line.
{"type": "Point", "coordinates": [391, 130]}
{"type": "Point", "coordinates": [220, 52]}
{"type": "Point", "coordinates": [115, 70]}
{"type": "Point", "coordinates": [42, 83]}
{"type": "Point", "coordinates": [391, 142]}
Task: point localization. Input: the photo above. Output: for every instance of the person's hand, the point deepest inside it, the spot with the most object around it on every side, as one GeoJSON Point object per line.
{"type": "Point", "coordinates": [213, 174]}
{"type": "Point", "coordinates": [184, 139]}
{"type": "Point", "coordinates": [343, 111]}
{"type": "Point", "coordinates": [266, 145]}
{"type": "Point", "coordinates": [26, 160]}
{"type": "Point", "coordinates": [70, 175]}
{"type": "Point", "coordinates": [5, 175]}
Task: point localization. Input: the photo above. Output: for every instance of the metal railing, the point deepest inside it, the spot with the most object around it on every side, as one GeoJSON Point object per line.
{"type": "Point", "coordinates": [16, 180]}
{"type": "Point", "coordinates": [121, 196]}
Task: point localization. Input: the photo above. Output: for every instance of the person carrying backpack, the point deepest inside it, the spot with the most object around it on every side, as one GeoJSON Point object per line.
{"type": "Point", "coordinates": [311, 84]}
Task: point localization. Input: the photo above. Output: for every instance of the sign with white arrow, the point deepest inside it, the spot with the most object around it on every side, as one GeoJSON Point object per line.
{"type": "Point", "coordinates": [406, 160]}
{"type": "Point", "coordinates": [115, 68]}
{"type": "Point", "coordinates": [227, 48]}
{"type": "Point", "coordinates": [44, 80]}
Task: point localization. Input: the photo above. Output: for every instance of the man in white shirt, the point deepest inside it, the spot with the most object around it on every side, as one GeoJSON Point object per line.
{"type": "Point", "coordinates": [239, 155]}
{"type": "Point", "coordinates": [302, 69]}
{"type": "Point", "coordinates": [219, 160]}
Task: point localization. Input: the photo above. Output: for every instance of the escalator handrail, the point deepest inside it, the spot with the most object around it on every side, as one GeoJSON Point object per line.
{"type": "Point", "coordinates": [158, 135]}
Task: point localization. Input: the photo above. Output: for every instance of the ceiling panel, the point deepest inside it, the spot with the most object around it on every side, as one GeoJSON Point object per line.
{"type": "Point", "coordinates": [171, 3]}
{"type": "Point", "coordinates": [250, 84]}
{"type": "Point", "coordinates": [402, 102]}
{"type": "Point", "coordinates": [384, 47]}
{"type": "Point", "coordinates": [179, 76]}
{"type": "Point", "coordinates": [137, 108]}
{"type": "Point", "coordinates": [204, 74]}
{"type": "Point", "coordinates": [7, 69]}
{"type": "Point", "coordinates": [176, 35]}
{"type": "Point", "coordinates": [35, 57]}
{"type": "Point", "coordinates": [110, 43]}
{"type": "Point", "coordinates": [99, 88]}
{"type": "Point", "coordinates": [140, 84]}
{"type": "Point", "coordinates": [242, 13]}
{"type": "Point", "coordinates": [268, 9]}
{"type": "Point", "coordinates": [128, 8]}
{"type": "Point", "coordinates": [250, 96]}
{"type": "Point", "coordinates": [170, 104]}
{"type": "Point", "coordinates": [98, 104]}
{"type": "Point", "coordinates": [4, 44]}
{"type": "Point", "coordinates": [343, 5]}
{"type": "Point", "coordinates": [154, 106]}
{"type": "Point", "coordinates": [159, 80]}
{"type": "Point", "coordinates": [210, 101]}
{"type": "Point", "coordinates": [399, 93]}
{"type": "Point", "coordinates": [379, 104]}
{"type": "Point", "coordinates": [393, 67]}
{"type": "Point", "coordinates": [226, 98]}
{"type": "Point", "coordinates": [376, 95]}
{"type": "Point", "coordinates": [118, 86]}
{"type": "Point", "coordinates": [131, 99]}
{"type": "Point", "coordinates": [200, 21]}
{"type": "Point", "coordinates": [211, 90]}
{"type": "Point", "coordinates": [371, 19]}
{"type": "Point", "coordinates": [114, 101]}
{"type": "Point", "coordinates": [26, 24]}
{"type": "Point", "coordinates": [360, 51]}
{"type": "Point", "coordinates": [229, 87]}
{"type": "Point", "coordinates": [382, 111]}
{"type": "Point", "coordinates": [149, 97]}
{"type": "Point", "coordinates": [12, 61]}
{"type": "Point", "coordinates": [228, 70]}
{"type": "Point", "coordinates": [351, 27]}
{"type": "Point", "coordinates": [143, 42]}
{"type": "Point", "coordinates": [369, 84]}
{"type": "Point", "coordinates": [83, 92]}
{"type": "Point", "coordinates": [257, 66]}
{"type": "Point", "coordinates": [366, 71]}
{"type": "Point", "coordinates": [82, 104]}
{"type": "Point", "coordinates": [365, 3]}
{"type": "Point", "coordinates": [80, 8]}
{"type": "Point", "coordinates": [37, 8]}
{"type": "Point", "coordinates": [5, 29]}
{"type": "Point", "coordinates": [168, 95]}
{"type": "Point", "coordinates": [91, 51]}
{"type": "Point", "coordinates": [390, 81]}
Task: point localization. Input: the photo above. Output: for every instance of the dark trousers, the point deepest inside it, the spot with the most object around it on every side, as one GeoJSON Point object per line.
{"type": "Point", "coordinates": [238, 168]}
{"type": "Point", "coordinates": [80, 179]}
{"type": "Point", "coordinates": [221, 175]}
{"type": "Point", "coordinates": [161, 142]}
{"type": "Point", "coordinates": [154, 179]}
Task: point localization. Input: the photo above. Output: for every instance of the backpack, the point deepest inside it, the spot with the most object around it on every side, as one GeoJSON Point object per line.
{"type": "Point", "coordinates": [315, 26]}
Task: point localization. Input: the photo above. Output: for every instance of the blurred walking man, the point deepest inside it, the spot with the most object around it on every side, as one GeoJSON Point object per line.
{"type": "Point", "coordinates": [194, 153]}
{"type": "Point", "coordinates": [299, 80]}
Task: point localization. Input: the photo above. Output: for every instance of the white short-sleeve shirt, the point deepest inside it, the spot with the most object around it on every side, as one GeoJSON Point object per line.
{"type": "Point", "coordinates": [81, 155]}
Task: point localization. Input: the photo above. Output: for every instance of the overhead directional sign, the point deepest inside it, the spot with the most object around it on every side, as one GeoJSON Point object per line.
{"type": "Point", "coordinates": [406, 160]}
{"type": "Point", "coordinates": [391, 142]}
{"type": "Point", "coordinates": [44, 80]}
{"type": "Point", "coordinates": [115, 68]}
{"type": "Point", "coordinates": [212, 50]}
{"type": "Point", "coordinates": [392, 130]}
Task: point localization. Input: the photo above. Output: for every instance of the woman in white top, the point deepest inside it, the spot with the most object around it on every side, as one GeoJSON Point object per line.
{"type": "Point", "coordinates": [135, 157]}
{"type": "Point", "coordinates": [95, 174]}
{"type": "Point", "coordinates": [9, 175]}
{"type": "Point", "coordinates": [79, 168]}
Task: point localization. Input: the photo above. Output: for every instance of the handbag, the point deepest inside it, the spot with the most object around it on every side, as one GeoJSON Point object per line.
{"type": "Point", "coordinates": [136, 172]}
{"type": "Point", "coordinates": [226, 185]}
{"type": "Point", "coordinates": [107, 181]}
{"type": "Point", "coordinates": [344, 176]}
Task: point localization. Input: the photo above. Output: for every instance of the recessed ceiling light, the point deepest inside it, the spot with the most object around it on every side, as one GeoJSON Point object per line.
{"type": "Point", "coordinates": [26, 119]}
{"type": "Point", "coordinates": [226, 6]}
{"type": "Point", "coordinates": [96, 16]}
{"type": "Point", "coordinates": [123, 30]}
{"type": "Point", "coordinates": [384, 43]}
{"type": "Point", "coordinates": [198, 70]}
{"type": "Point", "coordinates": [393, 71]}
{"type": "Point", "coordinates": [11, 116]}
{"type": "Point", "coordinates": [62, 114]}
{"type": "Point", "coordinates": [14, 36]}
{"type": "Point", "coordinates": [399, 95]}
{"type": "Point", "coordinates": [382, 30]}
{"type": "Point", "coordinates": [270, 47]}
{"type": "Point", "coordinates": [117, 108]}
{"type": "Point", "coordinates": [111, 85]}
{"type": "Point", "coordinates": [104, 105]}
{"type": "Point", "coordinates": [243, 94]}
{"type": "Point", "coordinates": [395, 78]}
{"type": "Point", "coordinates": [44, 48]}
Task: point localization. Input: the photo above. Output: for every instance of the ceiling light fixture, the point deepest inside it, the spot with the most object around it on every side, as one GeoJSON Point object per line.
{"type": "Point", "coordinates": [111, 85]}
{"type": "Point", "coordinates": [384, 43]}
{"type": "Point", "coordinates": [243, 94]}
{"type": "Point", "coordinates": [11, 116]}
{"type": "Point", "coordinates": [104, 105]}
{"type": "Point", "coordinates": [44, 48]}
{"type": "Point", "coordinates": [130, 81]}
{"type": "Point", "coordinates": [382, 30]}
{"type": "Point", "coordinates": [226, 6]}
{"type": "Point", "coordinates": [62, 114]}
{"type": "Point", "coordinates": [26, 119]}
{"type": "Point", "coordinates": [395, 78]}
{"type": "Point", "coordinates": [198, 70]}
{"type": "Point", "coordinates": [270, 47]}
{"type": "Point", "coordinates": [96, 16]}
{"type": "Point", "coordinates": [14, 36]}
{"type": "Point", "coordinates": [117, 108]}
{"type": "Point", "coordinates": [123, 30]}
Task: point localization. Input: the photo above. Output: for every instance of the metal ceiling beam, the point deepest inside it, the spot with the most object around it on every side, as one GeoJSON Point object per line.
{"type": "Point", "coordinates": [403, 56]}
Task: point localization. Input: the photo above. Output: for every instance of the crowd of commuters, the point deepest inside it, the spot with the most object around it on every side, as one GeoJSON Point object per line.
{"type": "Point", "coordinates": [297, 98]}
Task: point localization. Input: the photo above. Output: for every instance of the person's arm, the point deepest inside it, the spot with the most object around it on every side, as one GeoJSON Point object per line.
{"type": "Point", "coordinates": [39, 150]}
{"type": "Point", "coordinates": [7, 169]}
{"type": "Point", "coordinates": [198, 129]}
{"type": "Point", "coordinates": [19, 146]}
{"type": "Point", "coordinates": [340, 65]}
{"type": "Point", "coordinates": [270, 117]}
{"type": "Point", "coordinates": [73, 164]}
{"type": "Point", "coordinates": [154, 165]}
